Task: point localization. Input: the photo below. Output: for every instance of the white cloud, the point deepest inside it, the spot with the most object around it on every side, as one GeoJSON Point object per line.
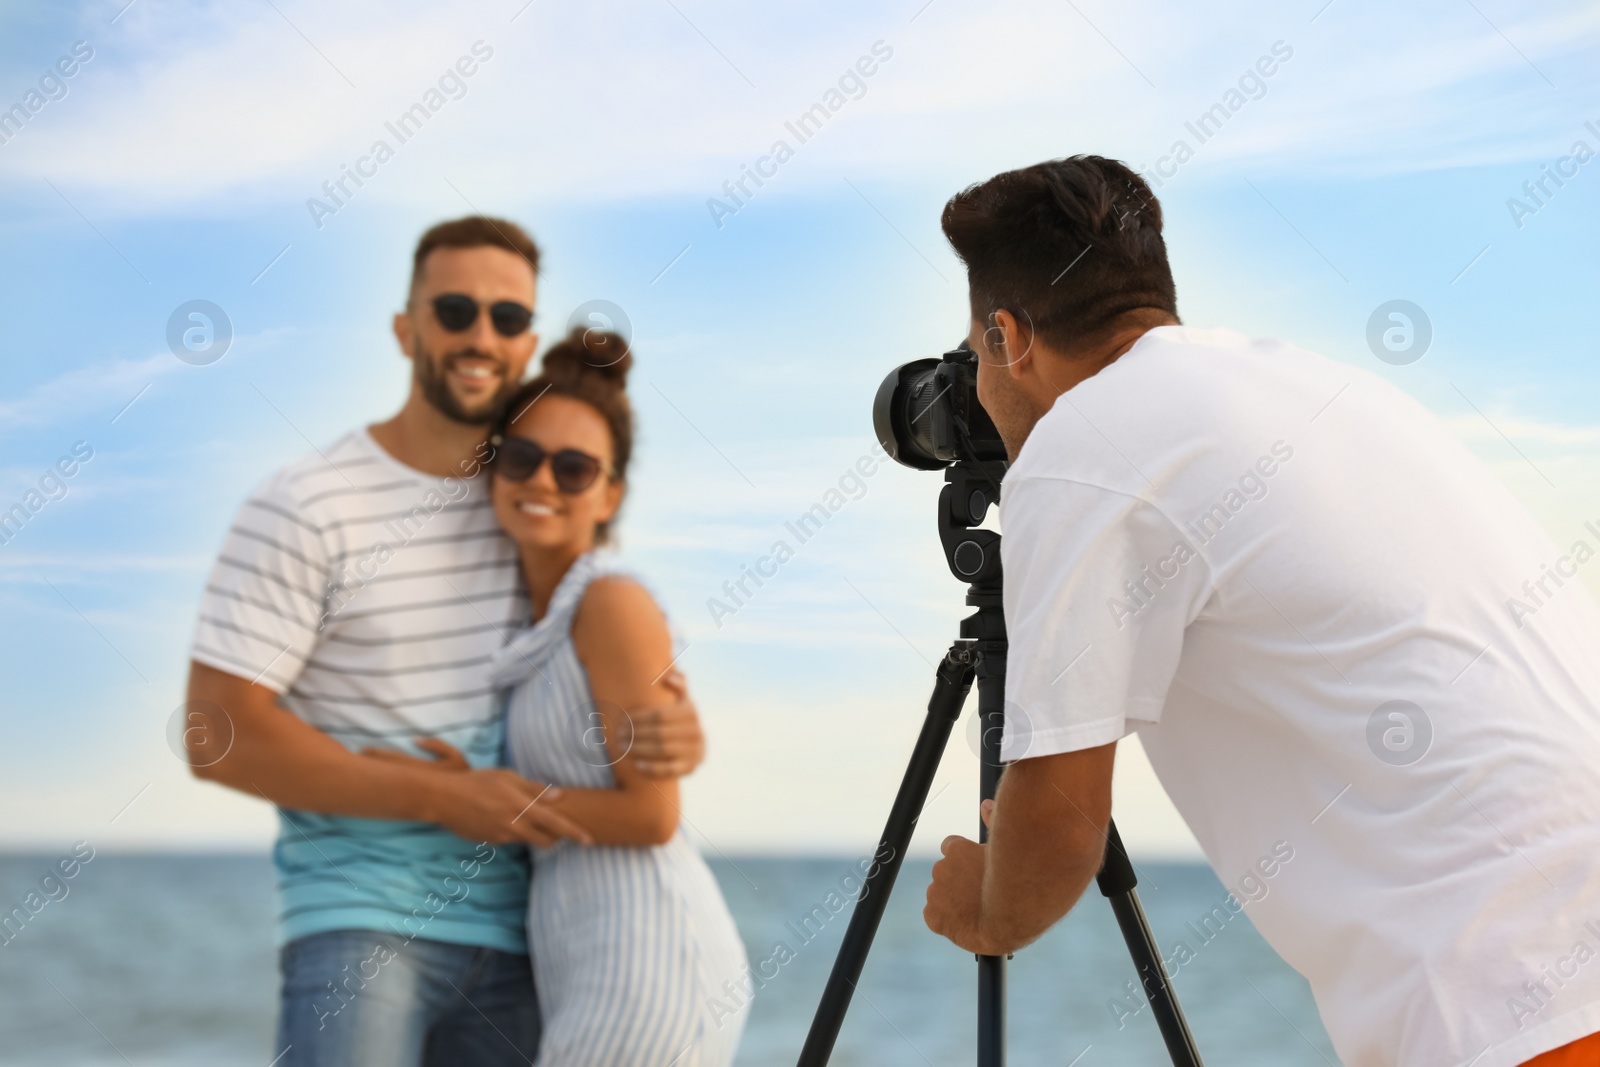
{"type": "Point", "coordinates": [97, 563]}
{"type": "Point", "coordinates": [112, 385]}
{"type": "Point", "coordinates": [114, 381]}
{"type": "Point", "coordinates": [208, 108]}
{"type": "Point", "coordinates": [1522, 430]}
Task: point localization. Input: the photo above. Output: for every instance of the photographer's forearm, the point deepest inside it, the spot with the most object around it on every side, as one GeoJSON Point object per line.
{"type": "Point", "coordinates": [1046, 840]}
{"type": "Point", "coordinates": [258, 748]}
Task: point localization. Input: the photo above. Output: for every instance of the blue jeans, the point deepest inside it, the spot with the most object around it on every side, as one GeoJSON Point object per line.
{"type": "Point", "coordinates": [363, 998]}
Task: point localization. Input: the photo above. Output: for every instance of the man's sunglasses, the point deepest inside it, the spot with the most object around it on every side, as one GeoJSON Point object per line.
{"type": "Point", "coordinates": [457, 312]}
{"type": "Point", "coordinates": [517, 459]}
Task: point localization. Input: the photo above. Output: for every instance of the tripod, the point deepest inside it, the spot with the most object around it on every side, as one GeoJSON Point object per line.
{"type": "Point", "coordinates": [980, 654]}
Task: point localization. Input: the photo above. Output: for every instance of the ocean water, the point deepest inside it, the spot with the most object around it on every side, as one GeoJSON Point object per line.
{"type": "Point", "coordinates": [169, 960]}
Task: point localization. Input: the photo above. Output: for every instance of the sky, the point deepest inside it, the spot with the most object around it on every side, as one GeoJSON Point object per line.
{"type": "Point", "coordinates": [192, 155]}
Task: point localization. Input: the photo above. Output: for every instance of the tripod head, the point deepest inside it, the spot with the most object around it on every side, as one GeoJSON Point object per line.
{"type": "Point", "coordinates": [973, 555]}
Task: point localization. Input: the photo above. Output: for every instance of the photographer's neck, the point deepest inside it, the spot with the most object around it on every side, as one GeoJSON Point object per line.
{"type": "Point", "coordinates": [1065, 368]}
{"type": "Point", "coordinates": [1041, 374]}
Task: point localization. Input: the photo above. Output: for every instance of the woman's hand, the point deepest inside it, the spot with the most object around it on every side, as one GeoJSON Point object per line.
{"type": "Point", "coordinates": [447, 757]}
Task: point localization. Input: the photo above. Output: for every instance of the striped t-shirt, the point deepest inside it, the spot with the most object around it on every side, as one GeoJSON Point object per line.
{"type": "Point", "coordinates": [371, 597]}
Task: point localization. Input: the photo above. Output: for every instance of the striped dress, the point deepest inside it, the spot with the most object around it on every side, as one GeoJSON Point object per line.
{"type": "Point", "coordinates": [631, 945]}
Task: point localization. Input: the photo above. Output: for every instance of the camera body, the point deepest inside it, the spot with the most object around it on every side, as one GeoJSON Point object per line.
{"type": "Point", "coordinates": [927, 414]}
{"type": "Point", "coordinates": [928, 417]}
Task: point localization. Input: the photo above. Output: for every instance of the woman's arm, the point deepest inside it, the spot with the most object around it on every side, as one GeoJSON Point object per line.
{"type": "Point", "coordinates": [622, 641]}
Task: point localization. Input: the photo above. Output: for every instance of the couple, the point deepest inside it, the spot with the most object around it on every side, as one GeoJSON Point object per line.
{"type": "Point", "coordinates": [417, 645]}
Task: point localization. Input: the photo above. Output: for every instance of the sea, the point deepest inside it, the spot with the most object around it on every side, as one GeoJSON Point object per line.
{"type": "Point", "coordinates": [169, 959]}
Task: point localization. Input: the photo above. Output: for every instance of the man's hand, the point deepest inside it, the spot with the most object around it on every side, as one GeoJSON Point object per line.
{"type": "Point", "coordinates": [955, 898]}
{"type": "Point", "coordinates": [1047, 835]}
{"type": "Point", "coordinates": [667, 740]}
{"type": "Point", "coordinates": [492, 804]}
{"type": "Point", "coordinates": [497, 805]}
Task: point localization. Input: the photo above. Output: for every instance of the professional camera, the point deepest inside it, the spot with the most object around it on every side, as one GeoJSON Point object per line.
{"type": "Point", "coordinates": [927, 414]}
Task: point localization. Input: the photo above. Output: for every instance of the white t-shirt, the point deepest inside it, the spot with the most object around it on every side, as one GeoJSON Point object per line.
{"type": "Point", "coordinates": [1341, 640]}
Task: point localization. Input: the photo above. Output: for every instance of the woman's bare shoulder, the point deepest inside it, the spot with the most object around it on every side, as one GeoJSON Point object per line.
{"type": "Point", "coordinates": [618, 620]}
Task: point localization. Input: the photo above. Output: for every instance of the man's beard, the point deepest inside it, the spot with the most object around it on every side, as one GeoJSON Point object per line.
{"type": "Point", "coordinates": [430, 377]}
{"type": "Point", "coordinates": [1014, 414]}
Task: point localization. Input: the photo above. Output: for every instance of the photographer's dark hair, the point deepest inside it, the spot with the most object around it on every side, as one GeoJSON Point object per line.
{"type": "Point", "coordinates": [591, 366]}
{"type": "Point", "coordinates": [1066, 245]}
{"type": "Point", "coordinates": [475, 231]}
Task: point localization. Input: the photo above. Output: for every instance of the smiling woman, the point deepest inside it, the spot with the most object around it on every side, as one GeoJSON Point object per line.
{"type": "Point", "coordinates": [584, 427]}
{"type": "Point", "coordinates": [629, 935]}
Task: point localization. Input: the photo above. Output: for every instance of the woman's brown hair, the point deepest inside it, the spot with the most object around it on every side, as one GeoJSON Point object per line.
{"type": "Point", "coordinates": [592, 366]}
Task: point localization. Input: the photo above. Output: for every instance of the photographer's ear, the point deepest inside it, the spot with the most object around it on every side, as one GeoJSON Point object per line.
{"type": "Point", "coordinates": [1007, 341]}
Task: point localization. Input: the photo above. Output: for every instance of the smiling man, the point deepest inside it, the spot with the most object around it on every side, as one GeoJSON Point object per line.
{"type": "Point", "coordinates": [1292, 581]}
{"type": "Point", "coordinates": [356, 604]}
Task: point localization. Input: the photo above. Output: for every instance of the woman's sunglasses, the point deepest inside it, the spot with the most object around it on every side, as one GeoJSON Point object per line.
{"type": "Point", "coordinates": [517, 459]}
{"type": "Point", "coordinates": [457, 312]}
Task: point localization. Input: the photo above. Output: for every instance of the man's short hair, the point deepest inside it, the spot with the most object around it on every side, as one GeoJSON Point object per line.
{"type": "Point", "coordinates": [1066, 246]}
{"type": "Point", "coordinates": [475, 231]}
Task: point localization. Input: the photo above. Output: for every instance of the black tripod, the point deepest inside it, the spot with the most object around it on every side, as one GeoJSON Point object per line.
{"type": "Point", "coordinates": [980, 653]}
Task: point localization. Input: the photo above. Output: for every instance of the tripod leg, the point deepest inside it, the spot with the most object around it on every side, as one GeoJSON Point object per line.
{"type": "Point", "coordinates": [954, 680]}
{"type": "Point", "coordinates": [1117, 881]}
{"type": "Point", "coordinates": [991, 679]}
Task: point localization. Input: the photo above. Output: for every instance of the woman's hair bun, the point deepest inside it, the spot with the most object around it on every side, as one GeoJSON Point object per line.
{"type": "Point", "coordinates": [588, 352]}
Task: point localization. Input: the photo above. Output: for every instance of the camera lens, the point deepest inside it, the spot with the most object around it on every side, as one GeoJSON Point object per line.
{"type": "Point", "coordinates": [905, 414]}
{"type": "Point", "coordinates": [927, 413]}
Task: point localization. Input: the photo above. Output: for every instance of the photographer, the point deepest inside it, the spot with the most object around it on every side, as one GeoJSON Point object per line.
{"type": "Point", "coordinates": [1333, 629]}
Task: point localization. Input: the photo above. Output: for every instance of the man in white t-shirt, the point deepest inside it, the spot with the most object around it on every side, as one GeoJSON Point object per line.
{"type": "Point", "coordinates": [1364, 674]}
{"type": "Point", "coordinates": [355, 605]}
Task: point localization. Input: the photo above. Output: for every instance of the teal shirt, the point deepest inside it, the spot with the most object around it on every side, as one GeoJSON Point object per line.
{"type": "Point", "coordinates": [412, 879]}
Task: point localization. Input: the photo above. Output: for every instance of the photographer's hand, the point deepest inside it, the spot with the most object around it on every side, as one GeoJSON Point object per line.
{"type": "Point", "coordinates": [1047, 836]}
{"type": "Point", "coordinates": [955, 897]}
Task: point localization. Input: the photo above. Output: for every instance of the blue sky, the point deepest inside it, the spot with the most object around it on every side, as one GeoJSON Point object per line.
{"type": "Point", "coordinates": [1376, 165]}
